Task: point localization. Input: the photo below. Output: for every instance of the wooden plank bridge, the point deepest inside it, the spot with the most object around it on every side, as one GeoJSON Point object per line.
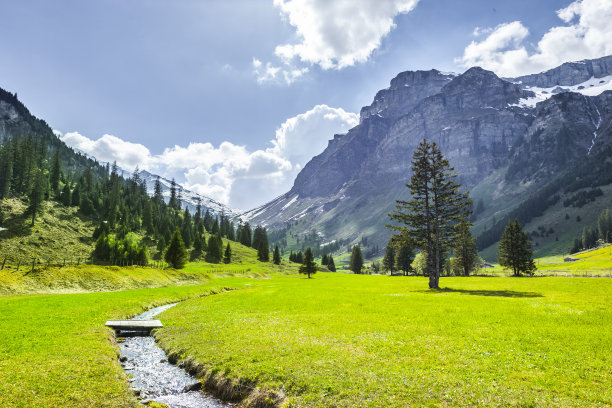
{"type": "Point", "coordinates": [134, 326]}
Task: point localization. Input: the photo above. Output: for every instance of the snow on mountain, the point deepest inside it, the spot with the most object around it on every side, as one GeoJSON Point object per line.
{"type": "Point", "coordinates": [591, 87]}
{"type": "Point", "coordinates": [189, 198]}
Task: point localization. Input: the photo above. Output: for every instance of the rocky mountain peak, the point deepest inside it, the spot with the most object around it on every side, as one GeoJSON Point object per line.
{"type": "Point", "coordinates": [406, 90]}
{"type": "Point", "coordinates": [478, 87]}
{"type": "Point", "coordinates": [569, 73]}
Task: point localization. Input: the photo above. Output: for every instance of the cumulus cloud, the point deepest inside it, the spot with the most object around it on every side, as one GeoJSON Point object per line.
{"type": "Point", "coordinates": [338, 34]}
{"type": "Point", "coordinates": [332, 34]}
{"type": "Point", "coordinates": [230, 173]}
{"type": "Point", "coordinates": [585, 34]}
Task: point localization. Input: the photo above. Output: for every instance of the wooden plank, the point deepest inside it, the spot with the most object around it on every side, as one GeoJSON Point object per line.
{"type": "Point", "coordinates": [134, 324]}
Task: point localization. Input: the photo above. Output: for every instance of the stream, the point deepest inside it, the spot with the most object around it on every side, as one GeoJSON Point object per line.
{"type": "Point", "coordinates": [153, 378]}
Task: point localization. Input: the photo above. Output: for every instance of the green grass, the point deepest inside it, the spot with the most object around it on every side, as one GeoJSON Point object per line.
{"type": "Point", "coordinates": [376, 341]}
{"type": "Point", "coordinates": [59, 234]}
{"type": "Point", "coordinates": [56, 352]}
{"type": "Point", "coordinates": [596, 262]}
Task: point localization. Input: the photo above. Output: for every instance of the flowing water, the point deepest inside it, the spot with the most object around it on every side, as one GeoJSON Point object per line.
{"type": "Point", "coordinates": [153, 378]}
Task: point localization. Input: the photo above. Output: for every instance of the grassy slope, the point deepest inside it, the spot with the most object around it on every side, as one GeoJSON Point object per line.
{"type": "Point", "coordinates": [345, 340]}
{"type": "Point", "coordinates": [56, 352]}
{"type": "Point", "coordinates": [57, 235]}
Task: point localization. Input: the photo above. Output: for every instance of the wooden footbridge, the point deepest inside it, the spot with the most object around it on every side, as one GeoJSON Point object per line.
{"type": "Point", "coordinates": [134, 327]}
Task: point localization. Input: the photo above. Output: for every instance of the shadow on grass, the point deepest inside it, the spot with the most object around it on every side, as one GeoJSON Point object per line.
{"type": "Point", "coordinates": [482, 292]}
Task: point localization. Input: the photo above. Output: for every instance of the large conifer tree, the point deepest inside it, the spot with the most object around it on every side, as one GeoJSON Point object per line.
{"type": "Point", "coordinates": [515, 250]}
{"type": "Point", "coordinates": [356, 259]}
{"type": "Point", "coordinates": [176, 255]}
{"type": "Point", "coordinates": [428, 219]}
{"type": "Point", "coordinates": [309, 267]}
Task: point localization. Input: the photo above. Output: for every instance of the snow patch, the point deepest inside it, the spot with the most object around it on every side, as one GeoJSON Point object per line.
{"type": "Point", "coordinates": [293, 200]}
{"type": "Point", "coordinates": [591, 87]}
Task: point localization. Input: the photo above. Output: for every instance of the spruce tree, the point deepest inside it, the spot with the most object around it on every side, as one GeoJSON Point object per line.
{"type": "Point", "coordinates": [55, 174]}
{"type": "Point", "coordinates": [308, 267]}
{"type": "Point", "coordinates": [276, 257]}
{"type": "Point", "coordinates": [389, 258]}
{"type": "Point", "coordinates": [356, 259]}
{"type": "Point", "coordinates": [228, 254]}
{"type": "Point", "coordinates": [330, 264]}
{"type": "Point", "coordinates": [37, 195]}
{"type": "Point", "coordinates": [427, 220]}
{"type": "Point", "coordinates": [176, 255]}
{"type": "Point", "coordinates": [464, 249]}
{"type": "Point", "coordinates": [65, 195]}
{"type": "Point", "coordinates": [515, 250]}
{"type": "Point", "coordinates": [403, 259]}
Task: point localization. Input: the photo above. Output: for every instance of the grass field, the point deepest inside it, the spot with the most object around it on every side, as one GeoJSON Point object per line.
{"type": "Point", "coordinates": [596, 262]}
{"type": "Point", "coordinates": [56, 352]}
{"type": "Point", "coordinates": [344, 340]}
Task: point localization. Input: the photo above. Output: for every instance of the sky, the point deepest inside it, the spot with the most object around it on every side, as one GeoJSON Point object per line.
{"type": "Point", "coordinates": [233, 97]}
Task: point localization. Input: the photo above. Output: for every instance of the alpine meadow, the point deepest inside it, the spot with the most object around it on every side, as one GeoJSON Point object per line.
{"type": "Point", "coordinates": [283, 204]}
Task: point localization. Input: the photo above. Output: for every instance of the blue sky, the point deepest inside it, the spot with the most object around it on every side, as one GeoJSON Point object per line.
{"type": "Point", "coordinates": [186, 80]}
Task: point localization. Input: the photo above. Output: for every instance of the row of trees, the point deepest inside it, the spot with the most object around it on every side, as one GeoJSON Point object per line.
{"type": "Point", "coordinates": [592, 236]}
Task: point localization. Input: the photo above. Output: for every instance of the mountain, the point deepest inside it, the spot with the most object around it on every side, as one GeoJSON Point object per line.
{"type": "Point", "coordinates": [17, 121]}
{"type": "Point", "coordinates": [189, 199]}
{"type": "Point", "coordinates": [506, 138]}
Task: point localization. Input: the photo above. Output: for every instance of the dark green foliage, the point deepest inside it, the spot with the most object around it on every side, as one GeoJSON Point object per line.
{"type": "Point", "coordinates": [214, 251]}
{"type": "Point", "coordinates": [331, 264]}
{"type": "Point", "coordinates": [515, 250]}
{"type": "Point", "coordinates": [175, 254]}
{"type": "Point", "coordinates": [276, 258]}
{"type": "Point", "coordinates": [126, 251]}
{"type": "Point", "coordinates": [403, 259]}
{"type": "Point", "coordinates": [464, 249]}
{"type": "Point", "coordinates": [309, 267]}
{"type": "Point", "coordinates": [356, 259]}
{"type": "Point", "coordinates": [36, 197]}
{"type": "Point", "coordinates": [227, 258]}
{"type": "Point", "coordinates": [427, 221]}
{"type": "Point", "coordinates": [297, 257]}
{"type": "Point", "coordinates": [604, 225]}
{"type": "Point", "coordinates": [75, 199]}
{"type": "Point", "coordinates": [260, 238]}
{"type": "Point", "coordinates": [388, 263]}
{"type": "Point", "coordinates": [55, 173]}
{"type": "Point", "coordinates": [589, 237]}
{"type": "Point", "coordinates": [65, 196]}
{"type": "Point", "coordinates": [583, 197]}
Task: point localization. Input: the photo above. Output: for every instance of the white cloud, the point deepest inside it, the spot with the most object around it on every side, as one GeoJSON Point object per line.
{"type": "Point", "coordinates": [339, 33]}
{"type": "Point", "coordinates": [586, 34]}
{"type": "Point", "coordinates": [332, 34]}
{"type": "Point", "coordinates": [230, 173]}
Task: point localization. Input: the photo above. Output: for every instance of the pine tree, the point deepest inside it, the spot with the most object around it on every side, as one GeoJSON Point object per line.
{"type": "Point", "coordinates": [276, 257]}
{"type": "Point", "coordinates": [389, 258]}
{"type": "Point", "coordinates": [173, 202]}
{"type": "Point", "coordinates": [330, 264]}
{"type": "Point", "coordinates": [427, 220]}
{"type": "Point", "coordinates": [6, 169]}
{"type": "Point", "coordinates": [228, 254]}
{"type": "Point", "coordinates": [308, 267]}
{"type": "Point", "coordinates": [214, 251]}
{"type": "Point", "coordinates": [515, 250]}
{"type": "Point", "coordinates": [464, 249]}
{"type": "Point", "coordinates": [158, 195]}
{"type": "Point", "coordinates": [147, 217]}
{"type": "Point", "coordinates": [176, 255]}
{"type": "Point", "coordinates": [65, 195]}
{"type": "Point", "coordinates": [37, 195]}
{"type": "Point", "coordinates": [324, 260]}
{"type": "Point", "coordinates": [356, 259]}
{"type": "Point", "coordinates": [75, 200]}
{"type": "Point", "coordinates": [403, 259]}
{"type": "Point", "coordinates": [55, 174]}
{"type": "Point", "coordinates": [263, 251]}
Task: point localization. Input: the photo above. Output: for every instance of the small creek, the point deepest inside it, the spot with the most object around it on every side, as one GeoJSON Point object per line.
{"type": "Point", "coordinates": [155, 378]}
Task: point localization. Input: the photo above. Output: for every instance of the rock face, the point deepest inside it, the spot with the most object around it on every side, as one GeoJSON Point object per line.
{"type": "Point", "coordinates": [482, 124]}
{"type": "Point", "coordinates": [570, 73]}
